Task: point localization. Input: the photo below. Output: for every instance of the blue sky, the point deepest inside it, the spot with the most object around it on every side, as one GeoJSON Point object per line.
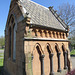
{"type": "Point", "coordinates": [4, 9]}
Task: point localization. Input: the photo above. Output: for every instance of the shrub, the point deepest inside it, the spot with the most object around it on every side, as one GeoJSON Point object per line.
{"type": "Point", "coordinates": [71, 72]}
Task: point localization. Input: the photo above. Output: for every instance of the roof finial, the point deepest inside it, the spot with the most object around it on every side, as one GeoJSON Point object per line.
{"type": "Point", "coordinates": [50, 7]}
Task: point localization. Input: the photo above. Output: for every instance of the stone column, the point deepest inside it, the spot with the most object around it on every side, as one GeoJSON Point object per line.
{"type": "Point", "coordinates": [59, 67]}
{"type": "Point", "coordinates": [65, 60]}
{"type": "Point", "coordinates": [42, 64]}
{"type": "Point", "coordinates": [51, 64]}
{"type": "Point", "coordinates": [32, 63]}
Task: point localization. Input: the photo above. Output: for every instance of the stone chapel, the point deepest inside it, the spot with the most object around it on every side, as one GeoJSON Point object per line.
{"type": "Point", "coordinates": [36, 41]}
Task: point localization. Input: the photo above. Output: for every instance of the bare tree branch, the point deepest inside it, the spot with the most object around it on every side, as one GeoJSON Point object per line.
{"type": "Point", "coordinates": [67, 13]}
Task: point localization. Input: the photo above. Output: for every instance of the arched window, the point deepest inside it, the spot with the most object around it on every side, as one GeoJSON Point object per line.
{"type": "Point", "coordinates": [14, 42]}
{"type": "Point", "coordinates": [38, 58]}
{"type": "Point", "coordinates": [12, 36]}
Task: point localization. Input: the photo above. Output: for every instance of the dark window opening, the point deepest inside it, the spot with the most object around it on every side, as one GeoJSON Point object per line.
{"type": "Point", "coordinates": [10, 42]}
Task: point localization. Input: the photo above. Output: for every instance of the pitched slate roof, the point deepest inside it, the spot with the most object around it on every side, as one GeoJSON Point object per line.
{"type": "Point", "coordinates": [41, 15]}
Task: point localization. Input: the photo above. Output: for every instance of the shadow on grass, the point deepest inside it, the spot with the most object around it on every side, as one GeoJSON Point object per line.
{"type": "Point", "coordinates": [1, 70]}
{"type": "Point", "coordinates": [72, 55]}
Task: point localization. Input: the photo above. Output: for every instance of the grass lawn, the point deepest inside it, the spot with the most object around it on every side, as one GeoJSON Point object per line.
{"type": "Point", "coordinates": [1, 54]}
{"type": "Point", "coordinates": [1, 62]}
{"type": "Point", "coordinates": [1, 68]}
{"type": "Point", "coordinates": [1, 65]}
{"type": "Point", "coordinates": [72, 52]}
{"type": "Point", "coordinates": [1, 49]}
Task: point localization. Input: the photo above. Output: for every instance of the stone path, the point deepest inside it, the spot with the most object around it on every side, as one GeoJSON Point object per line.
{"type": "Point", "coordinates": [73, 62]}
{"type": "Point", "coordinates": [63, 72]}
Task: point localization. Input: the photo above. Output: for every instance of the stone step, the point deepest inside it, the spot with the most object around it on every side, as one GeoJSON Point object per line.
{"type": "Point", "coordinates": [63, 72]}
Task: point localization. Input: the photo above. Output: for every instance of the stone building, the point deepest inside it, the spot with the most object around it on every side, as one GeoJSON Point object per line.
{"type": "Point", "coordinates": [35, 40]}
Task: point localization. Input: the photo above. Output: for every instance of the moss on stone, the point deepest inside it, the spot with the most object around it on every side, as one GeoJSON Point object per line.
{"type": "Point", "coordinates": [29, 65]}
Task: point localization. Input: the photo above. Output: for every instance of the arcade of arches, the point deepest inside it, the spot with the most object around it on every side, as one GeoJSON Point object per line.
{"type": "Point", "coordinates": [48, 57]}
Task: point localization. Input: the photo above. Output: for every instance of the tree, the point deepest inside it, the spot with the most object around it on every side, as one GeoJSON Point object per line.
{"type": "Point", "coordinates": [67, 13]}
{"type": "Point", "coordinates": [2, 41]}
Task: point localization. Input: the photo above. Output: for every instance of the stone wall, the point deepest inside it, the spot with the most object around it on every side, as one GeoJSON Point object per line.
{"type": "Point", "coordinates": [30, 48]}
{"type": "Point", "coordinates": [28, 57]}
{"type": "Point", "coordinates": [15, 67]}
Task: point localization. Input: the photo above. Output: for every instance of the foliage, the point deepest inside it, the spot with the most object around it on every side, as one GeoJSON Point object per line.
{"type": "Point", "coordinates": [72, 40]}
{"type": "Point", "coordinates": [73, 46]}
{"type": "Point", "coordinates": [72, 52]}
{"type": "Point", "coordinates": [2, 41]}
{"type": "Point", "coordinates": [1, 62]}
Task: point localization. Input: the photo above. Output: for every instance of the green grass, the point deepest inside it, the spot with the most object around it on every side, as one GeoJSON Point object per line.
{"type": "Point", "coordinates": [72, 52]}
{"type": "Point", "coordinates": [1, 54]}
{"type": "Point", "coordinates": [1, 62]}
{"type": "Point", "coordinates": [1, 65]}
{"type": "Point", "coordinates": [1, 49]}
{"type": "Point", "coordinates": [1, 68]}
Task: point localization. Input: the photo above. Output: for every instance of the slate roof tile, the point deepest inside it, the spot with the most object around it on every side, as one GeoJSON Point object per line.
{"type": "Point", "coordinates": [41, 15]}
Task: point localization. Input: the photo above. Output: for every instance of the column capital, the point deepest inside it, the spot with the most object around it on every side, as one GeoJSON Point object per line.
{"type": "Point", "coordinates": [51, 54]}
{"type": "Point", "coordinates": [65, 52]}
{"type": "Point", "coordinates": [42, 56]}
{"type": "Point", "coordinates": [59, 53]}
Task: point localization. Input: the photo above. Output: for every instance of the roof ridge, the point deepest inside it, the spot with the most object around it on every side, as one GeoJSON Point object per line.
{"type": "Point", "coordinates": [47, 13]}
{"type": "Point", "coordinates": [52, 12]}
{"type": "Point", "coordinates": [57, 17]}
